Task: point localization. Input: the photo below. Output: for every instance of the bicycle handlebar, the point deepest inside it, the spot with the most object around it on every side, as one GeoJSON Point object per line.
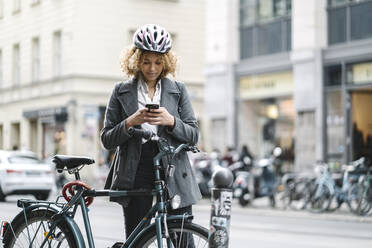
{"type": "Point", "coordinates": [140, 133]}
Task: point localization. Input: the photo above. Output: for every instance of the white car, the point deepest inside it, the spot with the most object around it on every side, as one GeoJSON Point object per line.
{"type": "Point", "coordinates": [21, 172]}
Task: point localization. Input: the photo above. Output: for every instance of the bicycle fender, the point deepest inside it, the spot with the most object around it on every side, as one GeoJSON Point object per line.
{"type": "Point", "coordinates": [69, 221]}
{"type": "Point", "coordinates": [170, 219]}
{"type": "Point", "coordinates": [38, 206]}
{"type": "Point", "coordinates": [140, 234]}
{"type": "Point", "coordinates": [76, 231]}
{"type": "Point", "coordinates": [21, 215]}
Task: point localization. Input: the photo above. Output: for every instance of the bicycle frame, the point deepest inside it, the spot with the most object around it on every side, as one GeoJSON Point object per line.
{"type": "Point", "coordinates": [66, 212]}
{"type": "Point", "coordinates": [325, 179]}
{"type": "Point", "coordinates": [68, 217]}
{"type": "Point", "coordinates": [334, 190]}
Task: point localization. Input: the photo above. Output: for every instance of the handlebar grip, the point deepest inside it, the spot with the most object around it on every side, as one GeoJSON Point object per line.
{"type": "Point", "coordinates": [193, 149]}
{"type": "Point", "coordinates": [140, 133]}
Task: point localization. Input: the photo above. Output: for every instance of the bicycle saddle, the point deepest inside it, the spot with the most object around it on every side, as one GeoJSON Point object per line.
{"type": "Point", "coordinates": [70, 162]}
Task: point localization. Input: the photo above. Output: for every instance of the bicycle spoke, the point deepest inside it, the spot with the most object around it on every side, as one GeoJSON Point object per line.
{"type": "Point", "coordinates": [35, 232]}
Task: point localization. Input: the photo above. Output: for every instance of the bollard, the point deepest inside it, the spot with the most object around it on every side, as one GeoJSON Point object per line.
{"type": "Point", "coordinates": [221, 209]}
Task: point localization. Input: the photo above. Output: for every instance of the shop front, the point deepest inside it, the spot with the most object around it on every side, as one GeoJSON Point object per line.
{"type": "Point", "coordinates": [348, 94]}
{"type": "Point", "coordinates": [266, 113]}
{"type": "Point", "coordinates": [48, 124]}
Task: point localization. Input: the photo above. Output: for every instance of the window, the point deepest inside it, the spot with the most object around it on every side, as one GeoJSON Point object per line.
{"type": "Point", "coordinates": [57, 53]}
{"type": "Point", "coordinates": [16, 65]}
{"type": "Point", "coordinates": [265, 27]}
{"type": "Point", "coordinates": [16, 6]}
{"type": "Point", "coordinates": [337, 2]}
{"type": "Point", "coordinates": [349, 20]}
{"type": "Point", "coordinates": [247, 12]}
{"type": "Point", "coordinates": [1, 69]}
{"type": "Point", "coordinates": [263, 10]}
{"type": "Point", "coordinates": [335, 125]}
{"type": "Point", "coordinates": [35, 2]}
{"type": "Point", "coordinates": [333, 75]}
{"type": "Point", "coordinates": [1, 9]}
{"type": "Point", "coordinates": [35, 59]}
{"type": "Point", "coordinates": [359, 73]}
{"type": "Point", "coordinates": [23, 159]}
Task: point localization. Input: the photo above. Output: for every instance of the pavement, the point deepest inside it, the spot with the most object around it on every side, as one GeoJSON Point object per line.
{"type": "Point", "coordinates": [258, 223]}
{"type": "Point", "coordinates": [261, 207]}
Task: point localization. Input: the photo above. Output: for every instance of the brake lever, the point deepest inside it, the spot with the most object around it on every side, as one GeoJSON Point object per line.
{"type": "Point", "coordinates": [194, 149]}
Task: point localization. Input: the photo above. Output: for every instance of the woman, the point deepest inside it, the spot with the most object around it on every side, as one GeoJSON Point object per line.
{"type": "Point", "coordinates": [148, 63]}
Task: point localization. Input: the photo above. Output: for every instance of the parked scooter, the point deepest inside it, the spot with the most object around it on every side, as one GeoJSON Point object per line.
{"type": "Point", "coordinates": [258, 182]}
{"type": "Point", "coordinates": [204, 170]}
{"type": "Point", "coordinates": [242, 165]}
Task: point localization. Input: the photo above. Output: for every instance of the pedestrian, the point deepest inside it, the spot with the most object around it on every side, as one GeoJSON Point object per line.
{"type": "Point", "coordinates": [148, 62]}
{"type": "Point", "coordinates": [230, 156]}
{"type": "Point", "coordinates": [246, 158]}
{"type": "Point", "coordinates": [245, 152]}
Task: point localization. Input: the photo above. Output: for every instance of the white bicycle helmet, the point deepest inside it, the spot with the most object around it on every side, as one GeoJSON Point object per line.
{"type": "Point", "coordinates": [152, 37]}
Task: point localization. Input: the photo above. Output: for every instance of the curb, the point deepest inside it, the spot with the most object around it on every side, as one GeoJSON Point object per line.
{"type": "Point", "coordinates": [262, 208]}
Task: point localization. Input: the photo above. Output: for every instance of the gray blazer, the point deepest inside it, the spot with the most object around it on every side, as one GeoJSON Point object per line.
{"type": "Point", "coordinates": [123, 103]}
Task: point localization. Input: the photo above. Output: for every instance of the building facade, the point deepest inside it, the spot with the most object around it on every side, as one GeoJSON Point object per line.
{"type": "Point", "coordinates": [59, 61]}
{"type": "Point", "coordinates": [299, 77]}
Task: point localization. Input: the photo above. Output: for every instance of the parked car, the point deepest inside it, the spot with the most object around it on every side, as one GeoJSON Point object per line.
{"type": "Point", "coordinates": [21, 172]}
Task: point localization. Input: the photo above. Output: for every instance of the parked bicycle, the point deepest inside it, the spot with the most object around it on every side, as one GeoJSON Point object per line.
{"type": "Point", "coordinates": [328, 194]}
{"type": "Point", "coordinates": [51, 224]}
{"type": "Point", "coordinates": [295, 191]}
{"type": "Point", "coordinates": [360, 194]}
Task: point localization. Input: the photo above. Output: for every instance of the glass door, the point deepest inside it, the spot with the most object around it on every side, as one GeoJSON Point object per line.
{"type": "Point", "coordinates": [360, 124]}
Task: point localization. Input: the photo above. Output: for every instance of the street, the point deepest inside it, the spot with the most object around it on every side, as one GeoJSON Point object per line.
{"type": "Point", "coordinates": [255, 226]}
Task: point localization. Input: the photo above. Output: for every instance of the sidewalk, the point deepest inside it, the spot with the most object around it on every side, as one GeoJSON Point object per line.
{"type": "Point", "coordinates": [261, 207]}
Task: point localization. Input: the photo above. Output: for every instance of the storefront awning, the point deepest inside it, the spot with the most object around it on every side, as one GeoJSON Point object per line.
{"type": "Point", "coordinates": [59, 113]}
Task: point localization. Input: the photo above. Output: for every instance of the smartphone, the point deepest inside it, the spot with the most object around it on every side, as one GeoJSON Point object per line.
{"type": "Point", "coordinates": [152, 106]}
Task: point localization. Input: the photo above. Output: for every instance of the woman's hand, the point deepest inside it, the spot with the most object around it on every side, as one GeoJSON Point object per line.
{"type": "Point", "coordinates": [159, 116]}
{"type": "Point", "coordinates": [136, 119]}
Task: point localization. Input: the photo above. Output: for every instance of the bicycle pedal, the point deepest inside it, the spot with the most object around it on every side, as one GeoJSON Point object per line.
{"type": "Point", "coordinates": [117, 245]}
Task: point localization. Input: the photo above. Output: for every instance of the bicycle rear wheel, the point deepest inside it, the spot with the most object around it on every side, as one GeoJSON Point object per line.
{"type": "Point", "coordinates": [299, 195]}
{"type": "Point", "coordinates": [33, 232]}
{"type": "Point", "coordinates": [183, 235]}
{"type": "Point", "coordinates": [320, 200]}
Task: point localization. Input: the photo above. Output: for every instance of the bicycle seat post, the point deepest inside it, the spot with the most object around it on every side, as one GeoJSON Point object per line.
{"type": "Point", "coordinates": [77, 175]}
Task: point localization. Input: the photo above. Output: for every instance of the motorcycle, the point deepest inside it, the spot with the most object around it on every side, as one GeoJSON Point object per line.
{"type": "Point", "coordinates": [258, 182]}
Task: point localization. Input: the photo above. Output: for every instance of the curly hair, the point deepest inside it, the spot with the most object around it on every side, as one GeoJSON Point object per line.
{"type": "Point", "coordinates": [132, 58]}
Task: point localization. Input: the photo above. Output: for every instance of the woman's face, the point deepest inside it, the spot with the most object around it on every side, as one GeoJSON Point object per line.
{"type": "Point", "coordinates": [151, 66]}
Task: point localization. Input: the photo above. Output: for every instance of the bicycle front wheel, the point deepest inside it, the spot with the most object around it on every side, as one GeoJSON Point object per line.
{"type": "Point", "coordinates": [33, 232]}
{"type": "Point", "coordinates": [360, 199]}
{"type": "Point", "coordinates": [183, 235]}
{"type": "Point", "coordinates": [320, 199]}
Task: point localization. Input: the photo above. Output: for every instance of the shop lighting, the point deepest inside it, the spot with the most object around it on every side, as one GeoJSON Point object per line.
{"type": "Point", "coordinates": [272, 111]}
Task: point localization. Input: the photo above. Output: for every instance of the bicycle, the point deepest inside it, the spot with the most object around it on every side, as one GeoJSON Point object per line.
{"type": "Point", "coordinates": [326, 194]}
{"type": "Point", "coordinates": [296, 191]}
{"type": "Point", "coordinates": [51, 224]}
{"type": "Point", "coordinates": [360, 194]}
